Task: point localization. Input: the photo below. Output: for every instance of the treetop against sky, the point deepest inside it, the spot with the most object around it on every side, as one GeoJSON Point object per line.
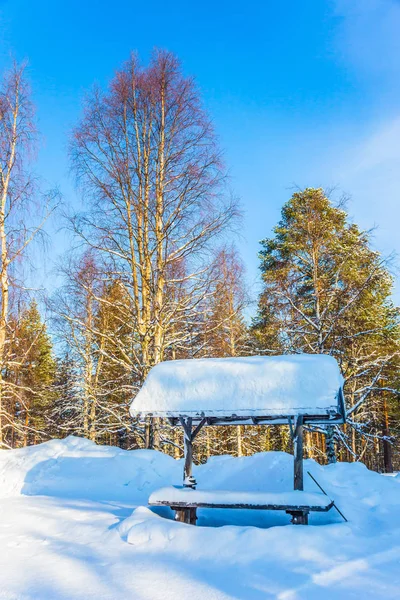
{"type": "Point", "coordinates": [301, 94]}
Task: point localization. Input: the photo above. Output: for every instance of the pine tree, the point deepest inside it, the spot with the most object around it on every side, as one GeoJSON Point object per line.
{"type": "Point", "coordinates": [117, 367]}
{"type": "Point", "coordinates": [91, 318]}
{"type": "Point", "coordinates": [225, 329]}
{"type": "Point", "coordinates": [326, 291]}
{"type": "Point", "coordinates": [32, 373]}
{"type": "Point", "coordinates": [65, 412]}
{"type": "Point", "coordinates": [221, 331]}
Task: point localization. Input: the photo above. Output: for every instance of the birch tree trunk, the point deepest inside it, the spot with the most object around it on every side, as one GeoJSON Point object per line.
{"type": "Point", "coordinates": [17, 136]}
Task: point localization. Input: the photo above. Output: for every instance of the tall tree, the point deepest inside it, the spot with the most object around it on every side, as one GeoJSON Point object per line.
{"type": "Point", "coordinates": [31, 374]}
{"type": "Point", "coordinates": [17, 195]}
{"type": "Point", "coordinates": [65, 410]}
{"type": "Point", "coordinates": [221, 331]}
{"type": "Point", "coordinates": [114, 342]}
{"type": "Point", "coordinates": [225, 329]}
{"type": "Point", "coordinates": [91, 319]}
{"type": "Point", "coordinates": [147, 158]}
{"type": "Point", "coordinates": [75, 308]}
{"type": "Point", "coordinates": [327, 291]}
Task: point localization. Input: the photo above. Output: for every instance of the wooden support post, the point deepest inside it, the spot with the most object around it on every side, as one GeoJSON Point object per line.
{"type": "Point", "coordinates": [188, 454]}
{"type": "Point", "coordinates": [188, 480]}
{"type": "Point", "coordinates": [299, 517]}
{"type": "Point", "coordinates": [192, 516]}
{"type": "Point", "coordinates": [197, 429]}
{"type": "Point", "coordinates": [298, 454]}
{"type": "Point", "coordinates": [188, 437]}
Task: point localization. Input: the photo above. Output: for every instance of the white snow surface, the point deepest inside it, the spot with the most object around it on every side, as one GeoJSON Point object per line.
{"type": "Point", "coordinates": [74, 525]}
{"type": "Point", "coordinates": [188, 495]}
{"type": "Point", "coordinates": [243, 386]}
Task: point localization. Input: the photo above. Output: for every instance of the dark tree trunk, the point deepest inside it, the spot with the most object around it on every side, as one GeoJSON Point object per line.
{"type": "Point", "coordinates": [330, 444]}
{"type": "Point", "coordinates": [387, 446]}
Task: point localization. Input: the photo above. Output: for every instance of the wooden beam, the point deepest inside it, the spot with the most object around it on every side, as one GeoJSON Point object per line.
{"type": "Point", "coordinates": [291, 428]}
{"type": "Point", "coordinates": [197, 429]}
{"type": "Point", "coordinates": [298, 454]}
{"type": "Point", "coordinates": [334, 418]}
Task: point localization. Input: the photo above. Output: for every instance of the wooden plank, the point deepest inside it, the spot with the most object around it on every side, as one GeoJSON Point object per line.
{"type": "Point", "coordinates": [287, 507]}
{"type": "Point", "coordinates": [298, 454]}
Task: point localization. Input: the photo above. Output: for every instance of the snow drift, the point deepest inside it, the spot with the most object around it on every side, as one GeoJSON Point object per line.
{"type": "Point", "coordinates": [74, 525]}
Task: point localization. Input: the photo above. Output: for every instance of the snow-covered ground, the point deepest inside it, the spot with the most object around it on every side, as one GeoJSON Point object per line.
{"type": "Point", "coordinates": [74, 524]}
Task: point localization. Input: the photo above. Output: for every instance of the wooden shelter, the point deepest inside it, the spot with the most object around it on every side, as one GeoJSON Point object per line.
{"type": "Point", "coordinates": [293, 390]}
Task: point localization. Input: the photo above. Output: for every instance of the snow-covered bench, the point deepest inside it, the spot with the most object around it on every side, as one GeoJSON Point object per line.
{"type": "Point", "coordinates": [185, 501]}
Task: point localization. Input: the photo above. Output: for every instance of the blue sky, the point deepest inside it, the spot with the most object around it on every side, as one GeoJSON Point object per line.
{"type": "Point", "coordinates": [301, 93]}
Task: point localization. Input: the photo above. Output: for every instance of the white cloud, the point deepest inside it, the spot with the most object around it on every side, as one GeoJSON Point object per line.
{"type": "Point", "coordinates": [380, 150]}
{"type": "Point", "coordinates": [370, 172]}
{"type": "Point", "coordinates": [369, 34]}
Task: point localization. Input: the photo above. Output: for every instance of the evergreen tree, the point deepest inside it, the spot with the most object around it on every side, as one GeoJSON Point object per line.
{"type": "Point", "coordinates": [65, 410]}
{"type": "Point", "coordinates": [225, 328]}
{"type": "Point", "coordinates": [91, 318]}
{"type": "Point", "coordinates": [326, 291]}
{"type": "Point", "coordinates": [117, 367]}
{"type": "Point", "coordinates": [32, 373]}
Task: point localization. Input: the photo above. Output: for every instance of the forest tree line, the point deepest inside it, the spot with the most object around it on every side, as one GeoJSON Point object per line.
{"type": "Point", "coordinates": [152, 275]}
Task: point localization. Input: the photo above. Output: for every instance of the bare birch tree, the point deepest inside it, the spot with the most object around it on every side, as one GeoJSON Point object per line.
{"type": "Point", "coordinates": [18, 196]}
{"type": "Point", "coordinates": [150, 169]}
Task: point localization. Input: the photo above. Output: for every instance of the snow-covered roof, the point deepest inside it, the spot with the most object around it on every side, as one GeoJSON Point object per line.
{"type": "Point", "coordinates": [249, 388]}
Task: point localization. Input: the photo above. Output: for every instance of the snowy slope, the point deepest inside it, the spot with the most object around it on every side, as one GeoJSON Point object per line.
{"type": "Point", "coordinates": [74, 525]}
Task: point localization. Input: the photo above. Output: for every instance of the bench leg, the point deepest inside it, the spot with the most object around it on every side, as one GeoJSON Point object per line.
{"type": "Point", "coordinates": [299, 517]}
{"type": "Point", "coordinates": [186, 515]}
{"type": "Point", "coordinates": [192, 516]}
